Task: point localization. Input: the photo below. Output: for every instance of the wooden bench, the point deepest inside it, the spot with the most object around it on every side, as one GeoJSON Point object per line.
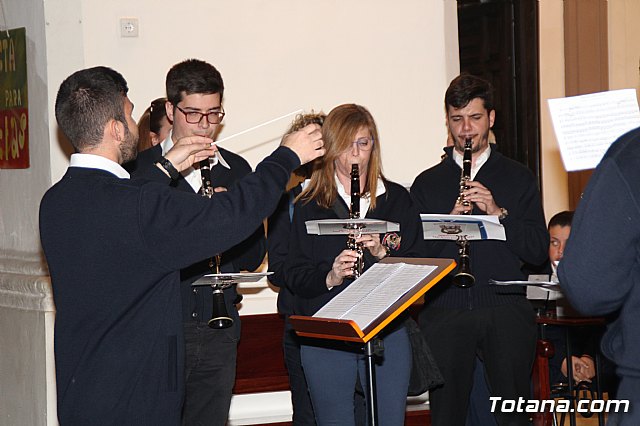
{"type": "Point", "coordinates": [261, 368]}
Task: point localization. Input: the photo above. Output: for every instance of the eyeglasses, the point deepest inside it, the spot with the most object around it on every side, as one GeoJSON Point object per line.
{"type": "Point", "coordinates": [195, 117]}
{"type": "Point", "coordinates": [365, 144]}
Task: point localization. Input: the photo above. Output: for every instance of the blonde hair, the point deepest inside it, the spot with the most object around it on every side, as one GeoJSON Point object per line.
{"type": "Point", "coordinates": [338, 132]}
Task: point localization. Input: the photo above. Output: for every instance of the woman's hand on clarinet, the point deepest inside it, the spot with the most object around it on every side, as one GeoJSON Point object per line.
{"type": "Point", "coordinates": [373, 244]}
{"type": "Point", "coordinates": [342, 267]}
{"type": "Point", "coordinates": [189, 150]}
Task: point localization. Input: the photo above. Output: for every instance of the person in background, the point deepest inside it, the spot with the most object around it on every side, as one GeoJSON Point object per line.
{"type": "Point", "coordinates": [583, 366]}
{"type": "Point", "coordinates": [318, 268]}
{"type": "Point", "coordinates": [600, 270]}
{"type": "Point", "coordinates": [115, 245]}
{"type": "Point", "coordinates": [278, 234]}
{"type": "Point", "coordinates": [495, 324]}
{"type": "Point", "coordinates": [153, 126]}
{"type": "Point", "coordinates": [194, 105]}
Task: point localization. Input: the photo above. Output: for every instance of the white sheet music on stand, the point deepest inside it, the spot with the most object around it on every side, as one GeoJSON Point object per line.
{"type": "Point", "coordinates": [587, 125]}
{"type": "Point", "coordinates": [541, 284]}
{"type": "Point", "coordinates": [348, 226]}
{"type": "Point", "coordinates": [451, 226]}
{"type": "Point", "coordinates": [231, 278]}
{"type": "Point", "coordinates": [544, 292]}
{"type": "Point", "coordinates": [378, 288]}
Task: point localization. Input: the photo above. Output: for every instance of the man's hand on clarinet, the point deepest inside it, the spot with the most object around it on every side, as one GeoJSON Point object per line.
{"type": "Point", "coordinates": [479, 195]}
{"type": "Point", "coordinates": [306, 143]}
{"type": "Point", "coordinates": [189, 150]}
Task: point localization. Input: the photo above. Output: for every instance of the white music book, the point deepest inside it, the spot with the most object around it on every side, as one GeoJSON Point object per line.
{"type": "Point", "coordinates": [231, 278]}
{"type": "Point", "coordinates": [452, 226]}
{"type": "Point", "coordinates": [587, 125]}
{"type": "Point", "coordinates": [350, 226]}
{"type": "Point", "coordinates": [378, 288]}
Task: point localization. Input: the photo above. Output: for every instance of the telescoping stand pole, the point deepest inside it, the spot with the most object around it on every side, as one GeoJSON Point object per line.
{"type": "Point", "coordinates": [373, 347]}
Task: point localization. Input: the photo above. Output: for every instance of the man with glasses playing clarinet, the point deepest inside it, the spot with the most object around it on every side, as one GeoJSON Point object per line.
{"type": "Point", "coordinates": [194, 96]}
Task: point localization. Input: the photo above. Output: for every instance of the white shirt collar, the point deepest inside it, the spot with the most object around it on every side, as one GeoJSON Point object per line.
{"type": "Point", "coordinates": [365, 201]}
{"type": "Point", "coordinates": [92, 161]}
{"type": "Point", "coordinates": [192, 175]}
{"type": "Point", "coordinates": [480, 160]}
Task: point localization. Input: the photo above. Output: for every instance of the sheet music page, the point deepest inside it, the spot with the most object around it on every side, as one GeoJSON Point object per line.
{"type": "Point", "coordinates": [587, 125]}
{"type": "Point", "coordinates": [370, 295]}
{"type": "Point", "coordinates": [543, 284]}
{"type": "Point", "coordinates": [543, 293]}
{"type": "Point", "coordinates": [450, 226]}
{"type": "Point", "coordinates": [346, 226]}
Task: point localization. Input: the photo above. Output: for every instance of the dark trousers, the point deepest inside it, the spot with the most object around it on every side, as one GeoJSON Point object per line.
{"type": "Point", "coordinates": [210, 373]}
{"type": "Point", "coordinates": [505, 336]}
{"type": "Point", "coordinates": [300, 399]}
{"type": "Point", "coordinates": [479, 412]}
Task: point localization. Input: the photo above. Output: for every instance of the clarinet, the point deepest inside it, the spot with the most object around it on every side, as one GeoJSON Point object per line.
{"type": "Point", "coordinates": [354, 213]}
{"type": "Point", "coordinates": [219, 315]}
{"type": "Point", "coordinates": [463, 276]}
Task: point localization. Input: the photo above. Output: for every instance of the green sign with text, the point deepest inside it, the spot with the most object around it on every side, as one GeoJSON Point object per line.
{"type": "Point", "coordinates": [14, 111]}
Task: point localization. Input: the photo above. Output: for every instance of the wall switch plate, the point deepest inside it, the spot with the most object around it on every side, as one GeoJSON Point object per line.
{"type": "Point", "coordinates": [129, 27]}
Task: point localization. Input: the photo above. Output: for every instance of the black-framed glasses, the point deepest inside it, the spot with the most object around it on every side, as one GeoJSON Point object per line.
{"type": "Point", "coordinates": [365, 144]}
{"type": "Point", "coordinates": [195, 117]}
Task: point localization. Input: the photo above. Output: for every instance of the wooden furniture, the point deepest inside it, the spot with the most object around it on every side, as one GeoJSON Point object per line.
{"type": "Point", "coordinates": [261, 368]}
{"type": "Point", "coordinates": [545, 350]}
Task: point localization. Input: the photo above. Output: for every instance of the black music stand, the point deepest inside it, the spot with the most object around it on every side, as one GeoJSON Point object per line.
{"type": "Point", "coordinates": [228, 279]}
{"type": "Point", "coordinates": [345, 318]}
{"type": "Point", "coordinates": [218, 283]}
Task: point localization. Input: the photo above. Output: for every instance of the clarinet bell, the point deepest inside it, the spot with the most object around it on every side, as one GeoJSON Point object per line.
{"type": "Point", "coordinates": [220, 317]}
{"type": "Point", "coordinates": [463, 277]}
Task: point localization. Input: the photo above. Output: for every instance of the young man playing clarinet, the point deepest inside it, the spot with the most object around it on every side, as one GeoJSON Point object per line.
{"type": "Point", "coordinates": [194, 96]}
{"type": "Point", "coordinates": [496, 324]}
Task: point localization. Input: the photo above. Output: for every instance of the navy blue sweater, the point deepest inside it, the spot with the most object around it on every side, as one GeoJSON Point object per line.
{"type": "Point", "coordinates": [115, 248]}
{"type": "Point", "coordinates": [310, 257]}
{"type": "Point", "coordinates": [513, 187]}
{"type": "Point", "coordinates": [600, 270]}
{"type": "Point", "coordinates": [197, 303]}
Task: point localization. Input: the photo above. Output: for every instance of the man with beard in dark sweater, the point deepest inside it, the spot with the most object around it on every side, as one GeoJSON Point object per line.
{"type": "Point", "coordinates": [115, 247]}
{"type": "Point", "coordinates": [494, 323]}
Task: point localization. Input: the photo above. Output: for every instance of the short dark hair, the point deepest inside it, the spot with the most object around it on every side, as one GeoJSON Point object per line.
{"type": "Point", "coordinates": [465, 88]}
{"type": "Point", "coordinates": [85, 103]}
{"type": "Point", "coordinates": [157, 112]}
{"type": "Point", "coordinates": [193, 76]}
{"type": "Point", "coordinates": [562, 219]}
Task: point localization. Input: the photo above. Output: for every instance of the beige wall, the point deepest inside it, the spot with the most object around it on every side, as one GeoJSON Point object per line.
{"type": "Point", "coordinates": [276, 57]}
{"type": "Point", "coordinates": [396, 60]}
{"type": "Point", "coordinates": [624, 72]}
{"type": "Point", "coordinates": [624, 44]}
{"type": "Point", "coordinates": [555, 194]}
